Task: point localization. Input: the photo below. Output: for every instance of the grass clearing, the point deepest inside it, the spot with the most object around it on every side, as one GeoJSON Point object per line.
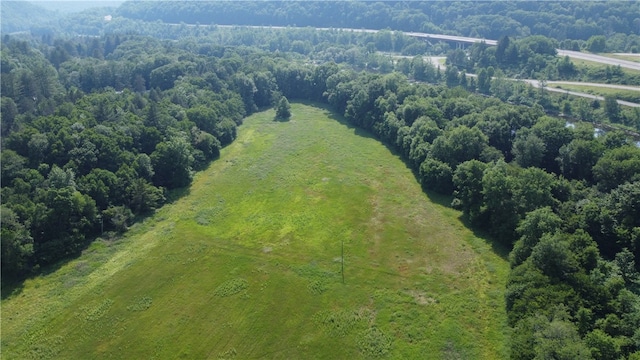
{"type": "Point", "coordinates": [248, 264]}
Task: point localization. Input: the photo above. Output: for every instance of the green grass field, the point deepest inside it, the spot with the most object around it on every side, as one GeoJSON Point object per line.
{"type": "Point", "coordinates": [247, 264]}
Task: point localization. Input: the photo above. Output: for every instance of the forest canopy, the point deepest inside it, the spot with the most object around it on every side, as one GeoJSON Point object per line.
{"type": "Point", "coordinates": [559, 20]}
{"type": "Point", "coordinates": [572, 23]}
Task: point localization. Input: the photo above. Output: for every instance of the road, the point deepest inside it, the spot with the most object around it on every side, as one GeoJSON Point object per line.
{"type": "Point", "coordinates": [608, 86]}
{"type": "Point", "coordinates": [600, 59]}
{"type": "Point", "coordinates": [451, 38]}
{"type": "Point", "coordinates": [536, 84]}
{"type": "Point", "coordinates": [470, 40]}
{"type": "Point", "coordinates": [572, 54]}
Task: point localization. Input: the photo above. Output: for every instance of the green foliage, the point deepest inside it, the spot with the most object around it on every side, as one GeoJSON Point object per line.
{"type": "Point", "coordinates": [602, 345]}
{"type": "Point", "coordinates": [499, 201]}
{"type": "Point", "coordinates": [536, 223]}
{"type": "Point", "coordinates": [553, 257]}
{"type": "Point", "coordinates": [231, 287]}
{"type": "Point", "coordinates": [17, 243]}
{"type": "Point", "coordinates": [119, 148]}
{"type": "Point", "coordinates": [436, 175]}
{"type": "Point", "coordinates": [342, 322]}
{"type": "Point", "coordinates": [528, 149]}
{"type": "Point", "coordinates": [141, 304]}
{"type": "Point", "coordinates": [467, 181]}
{"type": "Point", "coordinates": [577, 158]}
{"type": "Point", "coordinates": [554, 134]}
{"type": "Point", "coordinates": [204, 117]}
{"type": "Point", "coordinates": [597, 43]}
{"type": "Point", "coordinates": [616, 167]}
{"type": "Point", "coordinates": [283, 109]}
{"type": "Point", "coordinates": [317, 287]}
{"type": "Point", "coordinates": [533, 190]}
{"type": "Point", "coordinates": [173, 161]}
{"type": "Point", "coordinates": [459, 145]}
{"type": "Point", "coordinates": [13, 165]}
{"type": "Point", "coordinates": [164, 76]}
{"type": "Point", "coordinates": [90, 313]}
{"type": "Point", "coordinates": [143, 196]}
{"type": "Point", "coordinates": [560, 21]}
{"type": "Point", "coordinates": [484, 81]}
{"type": "Point", "coordinates": [119, 217]}
{"type": "Point", "coordinates": [374, 343]}
{"type": "Point", "coordinates": [612, 108]}
{"type": "Point", "coordinates": [560, 340]}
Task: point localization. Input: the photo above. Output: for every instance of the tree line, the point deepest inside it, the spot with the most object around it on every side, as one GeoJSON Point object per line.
{"type": "Point", "coordinates": [101, 135]}
{"type": "Point", "coordinates": [532, 57]}
{"type": "Point", "coordinates": [80, 157]}
{"type": "Point", "coordinates": [564, 201]}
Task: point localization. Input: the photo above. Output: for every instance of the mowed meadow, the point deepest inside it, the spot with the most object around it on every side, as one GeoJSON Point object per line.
{"type": "Point", "coordinates": [248, 264]}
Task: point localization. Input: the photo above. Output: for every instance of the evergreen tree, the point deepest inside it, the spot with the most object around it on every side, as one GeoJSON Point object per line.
{"type": "Point", "coordinates": [283, 109]}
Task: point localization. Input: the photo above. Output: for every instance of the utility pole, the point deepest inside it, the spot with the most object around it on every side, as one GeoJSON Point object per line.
{"type": "Point", "coordinates": [342, 258]}
{"type": "Point", "coordinates": [99, 217]}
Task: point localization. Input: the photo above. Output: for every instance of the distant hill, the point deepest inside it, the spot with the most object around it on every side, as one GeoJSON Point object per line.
{"type": "Point", "coordinates": [76, 6]}
{"type": "Point", "coordinates": [489, 19]}
{"type": "Point", "coordinates": [17, 15]}
{"type": "Point", "coordinates": [22, 16]}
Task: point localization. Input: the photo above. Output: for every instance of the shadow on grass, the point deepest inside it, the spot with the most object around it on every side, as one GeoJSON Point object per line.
{"type": "Point", "coordinates": [173, 196]}
{"type": "Point", "coordinates": [444, 200]}
{"type": "Point", "coordinates": [13, 285]}
{"type": "Point", "coordinates": [281, 119]}
{"type": "Point", "coordinates": [497, 247]}
{"type": "Point", "coordinates": [356, 129]}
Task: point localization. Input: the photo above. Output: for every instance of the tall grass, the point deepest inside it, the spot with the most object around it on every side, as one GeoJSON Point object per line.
{"type": "Point", "coordinates": [248, 264]}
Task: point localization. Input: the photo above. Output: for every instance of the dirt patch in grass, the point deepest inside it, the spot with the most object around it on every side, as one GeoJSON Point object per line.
{"type": "Point", "coordinates": [422, 298]}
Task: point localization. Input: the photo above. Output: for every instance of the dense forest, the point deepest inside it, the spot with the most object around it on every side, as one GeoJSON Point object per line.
{"type": "Point", "coordinates": [559, 20]}
{"type": "Point", "coordinates": [595, 25]}
{"type": "Point", "coordinates": [98, 132]}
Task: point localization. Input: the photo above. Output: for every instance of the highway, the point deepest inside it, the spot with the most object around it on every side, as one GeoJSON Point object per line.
{"type": "Point", "coordinates": [600, 59]}
{"type": "Point", "coordinates": [463, 39]}
{"type": "Point", "coordinates": [609, 86]}
{"type": "Point", "coordinates": [469, 40]}
{"type": "Point", "coordinates": [572, 54]}
{"type": "Point", "coordinates": [536, 84]}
